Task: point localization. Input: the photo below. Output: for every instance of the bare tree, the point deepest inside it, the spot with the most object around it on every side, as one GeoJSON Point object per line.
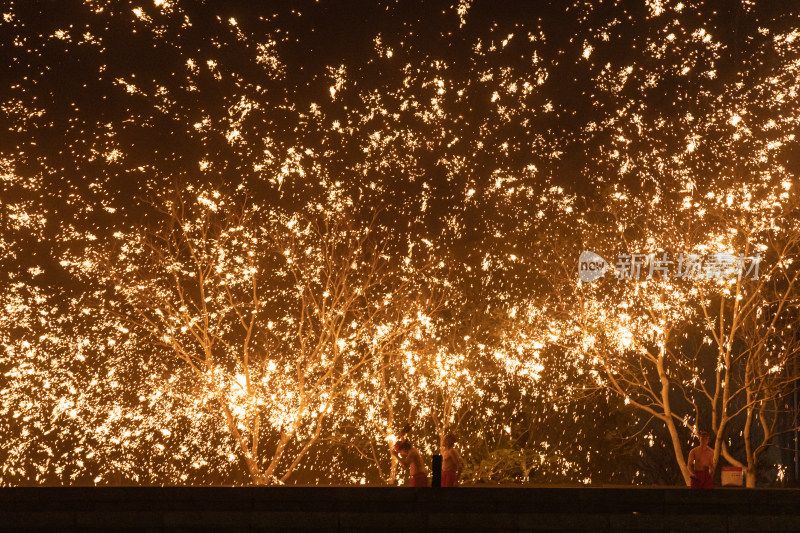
{"type": "Point", "coordinates": [686, 352]}
{"type": "Point", "coordinates": [384, 402]}
{"type": "Point", "coordinates": [275, 317]}
{"type": "Point", "coordinates": [625, 333]}
{"type": "Point", "coordinates": [747, 323]}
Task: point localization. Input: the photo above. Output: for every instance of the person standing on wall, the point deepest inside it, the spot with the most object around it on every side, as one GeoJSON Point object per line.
{"type": "Point", "coordinates": [701, 464]}
{"type": "Point", "coordinates": [411, 459]}
{"type": "Point", "coordinates": [451, 463]}
{"type": "Point", "coordinates": [402, 437]}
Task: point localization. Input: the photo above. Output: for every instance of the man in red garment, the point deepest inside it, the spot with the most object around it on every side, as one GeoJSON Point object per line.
{"type": "Point", "coordinates": [451, 462]}
{"type": "Point", "coordinates": [701, 464]}
{"type": "Point", "coordinates": [409, 457]}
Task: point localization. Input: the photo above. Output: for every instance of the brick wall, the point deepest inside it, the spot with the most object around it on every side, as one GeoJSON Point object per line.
{"type": "Point", "coordinates": [400, 509]}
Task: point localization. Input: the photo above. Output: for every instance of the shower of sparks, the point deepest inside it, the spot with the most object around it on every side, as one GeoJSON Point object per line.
{"type": "Point", "coordinates": [243, 245]}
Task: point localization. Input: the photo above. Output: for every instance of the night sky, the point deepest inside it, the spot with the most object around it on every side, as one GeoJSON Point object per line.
{"type": "Point", "coordinates": [103, 104]}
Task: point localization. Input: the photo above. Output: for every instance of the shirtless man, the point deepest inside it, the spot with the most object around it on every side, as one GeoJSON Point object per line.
{"type": "Point", "coordinates": [409, 456]}
{"type": "Point", "coordinates": [701, 464]}
{"type": "Point", "coordinates": [451, 462]}
{"type": "Point", "coordinates": [403, 437]}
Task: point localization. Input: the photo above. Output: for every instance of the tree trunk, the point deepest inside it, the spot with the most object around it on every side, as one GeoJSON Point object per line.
{"type": "Point", "coordinates": [252, 462]}
{"type": "Point", "coordinates": [255, 473]}
{"type": "Point", "coordinates": [677, 447]}
{"type": "Point", "coordinates": [669, 421]}
{"type": "Point", "coordinates": [393, 470]}
{"type": "Point", "coordinates": [750, 478]}
{"type": "Point", "coordinates": [276, 457]}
